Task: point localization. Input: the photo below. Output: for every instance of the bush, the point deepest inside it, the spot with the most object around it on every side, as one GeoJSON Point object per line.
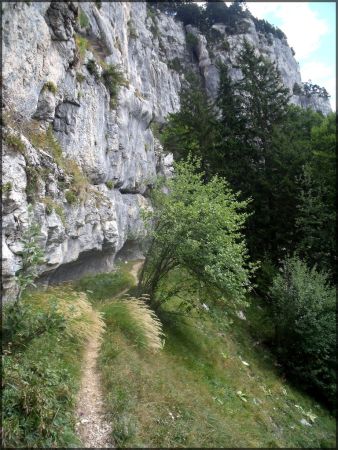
{"type": "Point", "coordinates": [110, 184]}
{"type": "Point", "coordinates": [197, 227]}
{"type": "Point", "coordinates": [50, 86]}
{"type": "Point", "coordinates": [191, 40]}
{"type": "Point", "coordinates": [113, 78]}
{"type": "Point", "coordinates": [93, 69]}
{"type": "Point", "coordinates": [71, 197]}
{"type": "Point", "coordinates": [83, 19]}
{"type": "Point", "coordinates": [14, 142]}
{"type": "Point", "coordinates": [175, 64]}
{"type": "Point", "coordinates": [303, 307]}
{"type": "Point", "coordinates": [82, 46]}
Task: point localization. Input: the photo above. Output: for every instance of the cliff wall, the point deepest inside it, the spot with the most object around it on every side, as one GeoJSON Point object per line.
{"type": "Point", "coordinates": [84, 162]}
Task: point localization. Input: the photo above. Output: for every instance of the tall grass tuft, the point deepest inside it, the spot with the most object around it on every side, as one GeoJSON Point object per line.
{"type": "Point", "coordinates": [148, 321]}
{"type": "Point", "coordinates": [81, 321]}
{"type": "Point", "coordinates": [136, 321]}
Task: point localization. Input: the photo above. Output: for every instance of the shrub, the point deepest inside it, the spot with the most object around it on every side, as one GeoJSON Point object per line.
{"type": "Point", "coordinates": [93, 68]}
{"type": "Point", "coordinates": [113, 78]}
{"type": "Point", "coordinates": [50, 86]}
{"type": "Point", "coordinates": [175, 64]}
{"type": "Point", "coordinates": [6, 188]}
{"type": "Point", "coordinates": [71, 197]}
{"type": "Point", "coordinates": [82, 45]}
{"type": "Point", "coordinates": [83, 19]}
{"type": "Point", "coordinates": [14, 142]}
{"type": "Point", "coordinates": [191, 40]}
{"type": "Point", "coordinates": [225, 46]}
{"type": "Point", "coordinates": [79, 77]}
{"type": "Point", "coordinates": [303, 306]}
{"type": "Point", "coordinates": [32, 257]}
{"type": "Point", "coordinates": [197, 228]}
{"type": "Point", "coordinates": [51, 206]}
{"type": "Point", "coordinates": [109, 184]}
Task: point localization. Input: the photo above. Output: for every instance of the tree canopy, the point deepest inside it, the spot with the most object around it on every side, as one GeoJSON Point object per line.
{"type": "Point", "coordinates": [198, 226]}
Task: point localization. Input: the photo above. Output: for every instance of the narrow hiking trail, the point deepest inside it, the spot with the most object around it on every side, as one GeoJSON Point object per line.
{"type": "Point", "coordinates": [92, 426]}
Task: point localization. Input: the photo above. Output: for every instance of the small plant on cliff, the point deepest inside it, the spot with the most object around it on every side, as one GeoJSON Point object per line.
{"type": "Point", "coordinates": [113, 78]}
{"type": "Point", "coordinates": [6, 188]}
{"type": "Point", "coordinates": [50, 86]}
{"type": "Point", "coordinates": [32, 257]}
{"type": "Point", "coordinates": [93, 68]}
{"type": "Point", "coordinates": [14, 142]}
{"type": "Point", "coordinates": [132, 33]}
{"type": "Point", "coordinates": [83, 19]}
{"type": "Point", "coordinates": [82, 46]}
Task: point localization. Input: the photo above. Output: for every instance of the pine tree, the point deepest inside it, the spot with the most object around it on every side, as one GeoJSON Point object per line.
{"type": "Point", "coordinates": [193, 130]}
{"type": "Point", "coordinates": [251, 109]}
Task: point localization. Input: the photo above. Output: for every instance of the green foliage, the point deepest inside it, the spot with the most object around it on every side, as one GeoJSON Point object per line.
{"type": "Point", "coordinates": [50, 86]}
{"type": "Point", "coordinates": [251, 110]}
{"type": "Point", "coordinates": [79, 77]}
{"type": "Point", "coordinates": [225, 46]}
{"type": "Point", "coordinates": [51, 205]}
{"type": "Point", "coordinates": [303, 306]}
{"type": "Point", "coordinates": [23, 323]}
{"type": "Point", "coordinates": [82, 45]}
{"type": "Point", "coordinates": [14, 142]}
{"type": "Point", "coordinates": [266, 28]}
{"type": "Point", "coordinates": [105, 286]}
{"type": "Point", "coordinates": [6, 188]}
{"type": "Point", "coordinates": [32, 257]}
{"type": "Point", "coordinates": [308, 89]}
{"type": "Point", "coordinates": [193, 130]}
{"type": "Point", "coordinates": [187, 395]}
{"type": "Point", "coordinates": [189, 14]}
{"type": "Point", "coordinates": [191, 40]}
{"type": "Point", "coordinates": [43, 337]}
{"type": "Point", "coordinates": [83, 19]}
{"type": "Point", "coordinates": [71, 197]}
{"type": "Point", "coordinates": [197, 227]}
{"type": "Point", "coordinates": [110, 184]}
{"type": "Point", "coordinates": [113, 78]}
{"type": "Point", "coordinates": [98, 3]}
{"type": "Point", "coordinates": [175, 64]}
{"type": "Point", "coordinates": [316, 217]}
{"type": "Point", "coordinates": [313, 89]}
{"type": "Point", "coordinates": [93, 68]}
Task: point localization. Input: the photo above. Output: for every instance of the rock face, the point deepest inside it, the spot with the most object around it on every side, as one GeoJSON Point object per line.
{"type": "Point", "coordinates": [83, 162]}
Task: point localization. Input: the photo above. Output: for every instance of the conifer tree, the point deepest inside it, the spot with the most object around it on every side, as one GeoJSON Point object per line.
{"type": "Point", "coordinates": [193, 130]}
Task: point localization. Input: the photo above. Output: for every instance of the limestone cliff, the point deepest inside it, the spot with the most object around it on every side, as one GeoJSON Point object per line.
{"type": "Point", "coordinates": [84, 162]}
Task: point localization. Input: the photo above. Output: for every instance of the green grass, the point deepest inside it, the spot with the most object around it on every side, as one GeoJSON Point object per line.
{"type": "Point", "coordinates": [104, 286]}
{"type": "Point", "coordinates": [43, 339]}
{"type": "Point", "coordinates": [198, 392]}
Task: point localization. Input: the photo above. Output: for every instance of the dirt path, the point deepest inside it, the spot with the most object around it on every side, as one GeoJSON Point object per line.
{"type": "Point", "coordinates": [92, 426]}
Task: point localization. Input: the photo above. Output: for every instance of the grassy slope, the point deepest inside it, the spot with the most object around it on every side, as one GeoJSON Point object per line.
{"type": "Point", "coordinates": [183, 396]}
{"type": "Point", "coordinates": [42, 342]}
{"type": "Point", "coordinates": [187, 394]}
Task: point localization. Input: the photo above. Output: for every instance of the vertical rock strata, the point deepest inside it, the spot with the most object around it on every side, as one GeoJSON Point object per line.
{"type": "Point", "coordinates": [88, 187]}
